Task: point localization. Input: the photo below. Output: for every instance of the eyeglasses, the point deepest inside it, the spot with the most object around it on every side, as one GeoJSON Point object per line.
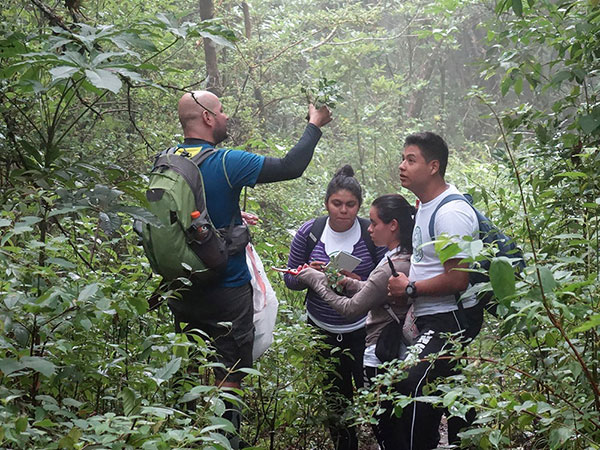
{"type": "Point", "coordinates": [201, 105]}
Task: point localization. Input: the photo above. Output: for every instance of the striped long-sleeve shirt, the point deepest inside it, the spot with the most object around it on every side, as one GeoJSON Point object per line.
{"type": "Point", "coordinates": [317, 307]}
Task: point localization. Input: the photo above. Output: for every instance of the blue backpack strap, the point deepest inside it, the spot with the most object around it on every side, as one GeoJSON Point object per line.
{"type": "Point", "coordinates": [447, 199]}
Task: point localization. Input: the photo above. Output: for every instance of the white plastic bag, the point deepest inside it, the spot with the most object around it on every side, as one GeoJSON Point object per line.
{"type": "Point", "coordinates": [265, 304]}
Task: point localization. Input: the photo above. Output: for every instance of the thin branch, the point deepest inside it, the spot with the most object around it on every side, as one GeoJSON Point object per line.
{"type": "Point", "coordinates": [42, 138]}
{"type": "Point", "coordinates": [52, 17]}
{"type": "Point", "coordinates": [56, 116]}
{"type": "Point", "coordinates": [389, 38]}
{"type": "Point", "coordinates": [131, 118]}
{"type": "Point", "coordinates": [72, 245]}
{"type": "Point", "coordinates": [323, 42]}
{"type": "Point", "coordinates": [277, 55]}
{"type": "Point", "coordinates": [84, 102]}
{"type": "Point", "coordinates": [161, 51]}
{"type": "Point", "coordinates": [78, 118]}
{"type": "Point", "coordinates": [525, 374]}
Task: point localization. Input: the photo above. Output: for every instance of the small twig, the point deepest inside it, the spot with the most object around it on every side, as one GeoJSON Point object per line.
{"type": "Point", "coordinates": [522, 372]}
{"type": "Point", "coordinates": [161, 51]}
{"type": "Point", "coordinates": [50, 15]}
{"type": "Point", "coordinates": [323, 42]}
{"type": "Point", "coordinates": [131, 118]}
{"type": "Point", "coordinates": [72, 244]}
{"type": "Point", "coordinates": [42, 138]}
{"type": "Point", "coordinates": [78, 118]}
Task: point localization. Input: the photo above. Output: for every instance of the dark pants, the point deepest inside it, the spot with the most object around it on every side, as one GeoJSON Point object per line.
{"type": "Point", "coordinates": [207, 309]}
{"type": "Point", "coordinates": [388, 431]}
{"type": "Point", "coordinates": [345, 368]}
{"type": "Point", "coordinates": [419, 422]}
{"type": "Point", "coordinates": [474, 321]}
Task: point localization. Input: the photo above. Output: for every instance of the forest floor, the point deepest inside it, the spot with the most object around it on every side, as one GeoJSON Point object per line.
{"type": "Point", "coordinates": [368, 442]}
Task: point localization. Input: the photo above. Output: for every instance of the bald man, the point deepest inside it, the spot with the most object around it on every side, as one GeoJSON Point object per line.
{"type": "Point", "coordinates": [225, 173]}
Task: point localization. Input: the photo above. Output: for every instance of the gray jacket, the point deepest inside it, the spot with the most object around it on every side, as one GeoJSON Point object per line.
{"type": "Point", "coordinates": [367, 296]}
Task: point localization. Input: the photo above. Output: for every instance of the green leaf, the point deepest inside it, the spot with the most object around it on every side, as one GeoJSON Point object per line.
{"type": "Point", "coordinates": [495, 437]}
{"type": "Point", "coordinates": [141, 214]}
{"type": "Point", "coordinates": [589, 123]}
{"type": "Point", "coordinates": [517, 7]}
{"type": "Point", "coordinates": [165, 373]}
{"type": "Point", "coordinates": [518, 86]}
{"type": "Point", "coordinates": [502, 278]}
{"type": "Point", "coordinates": [131, 401]}
{"type": "Point", "coordinates": [40, 365]}
{"type": "Point", "coordinates": [21, 424]}
{"type": "Point", "coordinates": [507, 82]}
{"type": "Point", "coordinates": [547, 278]}
{"type": "Point", "coordinates": [561, 76]}
{"type": "Point", "coordinates": [220, 40]}
{"type": "Point", "coordinates": [88, 292]}
{"type": "Point", "coordinates": [61, 72]}
{"type": "Point", "coordinates": [127, 41]}
{"type": "Point", "coordinates": [104, 79]}
{"type": "Point", "coordinates": [572, 175]}
{"type": "Point", "coordinates": [70, 439]}
{"type": "Point", "coordinates": [62, 263]}
{"type": "Point", "coordinates": [157, 411]}
{"type": "Point", "coordinates": [10, 365]}
{"type": "Point", "coordinates": [592, 322]}
{"type": "Point", "coordinates": [559, 436]}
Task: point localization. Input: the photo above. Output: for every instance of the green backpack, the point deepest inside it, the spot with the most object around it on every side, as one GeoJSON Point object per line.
{"type": "Point", "coordinates": [180, 248]}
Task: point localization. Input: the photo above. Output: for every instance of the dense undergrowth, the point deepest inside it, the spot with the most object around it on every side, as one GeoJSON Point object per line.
{"type": "Point", "coordinates": [84, 363]}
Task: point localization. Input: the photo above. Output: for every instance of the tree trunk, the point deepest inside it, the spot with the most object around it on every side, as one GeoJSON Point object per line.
{"type": "Point", "coordinates": [417, 99]}
{"type": "Point", "coordinates": [213, 77]}
{"type": "Point", "coordinates": [247, 22]}
{"type": "Point", "coordinates": [361, 152]}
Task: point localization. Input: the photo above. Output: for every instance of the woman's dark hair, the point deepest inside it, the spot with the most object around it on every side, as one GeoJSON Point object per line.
{"type": "Point", "coordinates": [344, 179]}
{"type": "Point", "coordinates": [394, 206]}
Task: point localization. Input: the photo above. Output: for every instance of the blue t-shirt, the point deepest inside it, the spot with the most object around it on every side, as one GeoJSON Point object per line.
{"type": "Point", "coordinates": [225, 173]}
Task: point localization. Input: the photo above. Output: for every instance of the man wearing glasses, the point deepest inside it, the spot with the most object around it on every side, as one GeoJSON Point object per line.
{"type": "Point", "coordinates": [225, 173]}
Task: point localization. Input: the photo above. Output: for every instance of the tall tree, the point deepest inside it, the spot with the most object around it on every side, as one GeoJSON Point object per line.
{"type": "Point", "coordinates": [213, 76]}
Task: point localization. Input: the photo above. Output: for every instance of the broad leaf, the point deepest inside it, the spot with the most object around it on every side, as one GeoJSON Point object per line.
{"type": "Point", "coordinates": [38, 364]}
{"type": "Point", "coordinates": [62, 72]}
{"type": "Point", "coordinates": [502, 278]}
{"type": "Point", "coordinates": [88, 292]}
{"type": "Point", "coordinates": [165, 373]}
{"type": "Point", "coordinates": [593, 322]}
{"type": "Point", "coordinates": [10, 365]}
{"type": "Point", "coordinates": [103, 79]}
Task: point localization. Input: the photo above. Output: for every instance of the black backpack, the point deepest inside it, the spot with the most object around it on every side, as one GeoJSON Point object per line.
{"type": "Point", "coordinates": [316, 231]}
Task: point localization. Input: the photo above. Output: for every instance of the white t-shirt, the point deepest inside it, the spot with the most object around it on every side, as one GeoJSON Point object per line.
{"type": "Point", "coordinates": [338, 241]}
{"type": "Point", "coordinates": [456, 219]}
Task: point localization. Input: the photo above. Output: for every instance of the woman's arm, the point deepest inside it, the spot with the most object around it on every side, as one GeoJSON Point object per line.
{"type": "Point", "coordinates": [372, 294]}
{"type": "Point", "coordinates": [352, 285]}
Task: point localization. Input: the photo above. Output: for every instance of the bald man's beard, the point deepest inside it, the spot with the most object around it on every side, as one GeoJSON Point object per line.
{"type": "Point", "coordinates": [220, 134]}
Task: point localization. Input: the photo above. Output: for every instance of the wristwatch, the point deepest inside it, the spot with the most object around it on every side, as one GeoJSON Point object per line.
{"type": "Point", "coordinates": [411, 289]}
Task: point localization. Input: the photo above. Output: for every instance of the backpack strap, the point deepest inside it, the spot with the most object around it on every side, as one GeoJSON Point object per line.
{"type": "Point", "coordinates": [447, 199]}
{"type": "Point", "coordinates": [189, 169]}
{"type": "Point", "coordinates": [314, 234]}
{"type": "Point", "coordinates": [316, 231]}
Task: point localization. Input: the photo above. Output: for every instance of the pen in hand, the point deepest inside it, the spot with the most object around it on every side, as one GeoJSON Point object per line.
{"type": "Point", "coordinates": [391, 264]}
